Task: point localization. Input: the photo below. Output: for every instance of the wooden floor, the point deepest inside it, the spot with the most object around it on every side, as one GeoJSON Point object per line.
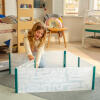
{"type": "Point", "coordinates": [91, 54]}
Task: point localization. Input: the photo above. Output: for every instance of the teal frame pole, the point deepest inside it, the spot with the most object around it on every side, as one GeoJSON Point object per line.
{"type": "Point", "coordinates": [9, 63]}
{"type": "Point", "coordinates": [78, 61]}
{"type": "Point", "coordinates": [35, 62]}
{"type": "Point", "coordinates": [16, 80]}
{"type": "Point", "coordinates": [93, 79]}
{"type": "Point", "coordinates": [64, 59]}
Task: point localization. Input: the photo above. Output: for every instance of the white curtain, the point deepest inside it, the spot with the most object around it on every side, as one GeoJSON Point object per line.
{"type": "Point", "coordinates": [83, 7]}
{"type": "Point", "coordinates": [91, 4]}
{"type": "Point", "coordinates": [57, 6]}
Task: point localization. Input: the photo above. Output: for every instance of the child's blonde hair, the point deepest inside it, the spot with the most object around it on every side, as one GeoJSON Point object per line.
{"type": "Point", "coordinates": [36, 26]}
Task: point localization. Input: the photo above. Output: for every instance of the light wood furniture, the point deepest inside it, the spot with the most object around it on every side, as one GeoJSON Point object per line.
{"type": "Point", "coordinates": [91, 34]}
{"type": "Point", "coordinates": [25, 21]}
{"type": "Point", "coordinates": [56, 31]}
{"type": "Point", "coordinates": [2, 7]}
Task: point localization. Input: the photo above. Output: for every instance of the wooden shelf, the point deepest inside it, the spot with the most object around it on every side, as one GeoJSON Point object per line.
{"type": "Point", "coordinates": [24, 25]}
{"type": "Point", "coordinates": [25, 2]}
{"type": "Point", "coordinates": [25, 12]}
{"type": "Point", "coordinates": [2, 7]}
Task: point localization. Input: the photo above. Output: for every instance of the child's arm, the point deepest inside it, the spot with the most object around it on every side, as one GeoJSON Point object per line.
{"type": "Point", "coordinates": [39, 54]}
{"type": "Point", "coordinates": [28, 49]}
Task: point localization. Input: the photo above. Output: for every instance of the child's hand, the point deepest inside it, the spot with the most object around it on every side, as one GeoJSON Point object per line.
{"type": "Point", "coordinates": [31, 57]}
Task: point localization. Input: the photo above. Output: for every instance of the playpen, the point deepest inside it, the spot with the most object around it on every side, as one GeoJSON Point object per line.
{"type": "Point", "coordinates": [63, 71]}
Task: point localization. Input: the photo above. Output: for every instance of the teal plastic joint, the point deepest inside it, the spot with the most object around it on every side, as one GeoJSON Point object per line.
{"type": "Point", "coordinates": [9, 63]}
{"type": "Point", "coordinates": [16, 81]}
{"type": "Point", "coordinates": [35, 62]}
{"type": "Point", "coordinates": [78, 61]}
{"type": "Point", "coordinates": [64, 59]}
{"type": "Point", "coordinates": [93, 79]}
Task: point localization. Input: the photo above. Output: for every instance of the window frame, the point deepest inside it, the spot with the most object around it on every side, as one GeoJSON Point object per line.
{"type": "Point", "coordinates": [94, 1]}
{"type": "Point", "coordinates": [70, 13]}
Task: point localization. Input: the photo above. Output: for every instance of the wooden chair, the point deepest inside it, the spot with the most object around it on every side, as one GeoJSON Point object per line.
{"type": "Point", "coordinates": [56, 31]}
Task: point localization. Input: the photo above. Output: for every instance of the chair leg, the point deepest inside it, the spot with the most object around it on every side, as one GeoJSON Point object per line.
{"type": "Point", "coordinates": [59, 38]}
{"type": "Point", "coordinates": [49, 38]}
{"type": "Point", "coordinates": [64, 39]}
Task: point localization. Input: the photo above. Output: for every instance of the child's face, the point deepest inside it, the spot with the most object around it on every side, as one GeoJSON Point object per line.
{"type": "Point", "coordinates": [39, 34]}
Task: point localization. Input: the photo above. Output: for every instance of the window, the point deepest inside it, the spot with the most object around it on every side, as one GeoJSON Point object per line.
{"type": "Point", "coordinates": [39, 4]}
{"type": "Point", "coordinates": [96, 4]}
{"type": "Point", "coordinates": [71, 7]}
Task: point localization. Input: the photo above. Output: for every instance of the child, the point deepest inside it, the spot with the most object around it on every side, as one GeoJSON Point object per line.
{"type": "Point", "coordinates": [35, 43]}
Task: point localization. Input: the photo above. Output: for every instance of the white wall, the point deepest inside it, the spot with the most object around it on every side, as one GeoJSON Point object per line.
{"type": "Point", "coordinates": [74, 31]}
{"type": "Point", "coordinates": [83, 7]}
{"type": "Point", "coordinates": [38, 13]}
{"type": "Point", "coordinates": [74, 24]}
{"type": "Point", "coordinates": [75, 28]}
{"type": "Point", "coordinates": [49, 5]}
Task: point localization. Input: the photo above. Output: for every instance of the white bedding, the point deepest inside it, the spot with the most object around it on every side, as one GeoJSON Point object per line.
{"type": "Point", "coordinates": [4, 37]}
{"type": "Point", "coordinates": [10, 35]}
{"type": "Point", "coordinates": [4, 26]}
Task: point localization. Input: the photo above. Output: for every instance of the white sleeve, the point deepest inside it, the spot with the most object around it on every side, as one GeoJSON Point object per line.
{"type": "Point", "coordinates": [27, 46]}
{"type": "Point", "coordinates": [39, 54]}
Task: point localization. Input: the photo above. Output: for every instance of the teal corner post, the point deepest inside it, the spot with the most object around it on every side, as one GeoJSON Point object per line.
{"type": "Point", "coordinates": [9, 63]}
{"type": "Point", "coordinates": [78, 61]}
{"type": "Point", "coordinates": [93, 79]}
{"type": "Point", "coordinates": [16, 80]}
{"type": "Point", "coordinates": [35, 62]}
{"type": "Point", "coordinates": [64, 59]}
